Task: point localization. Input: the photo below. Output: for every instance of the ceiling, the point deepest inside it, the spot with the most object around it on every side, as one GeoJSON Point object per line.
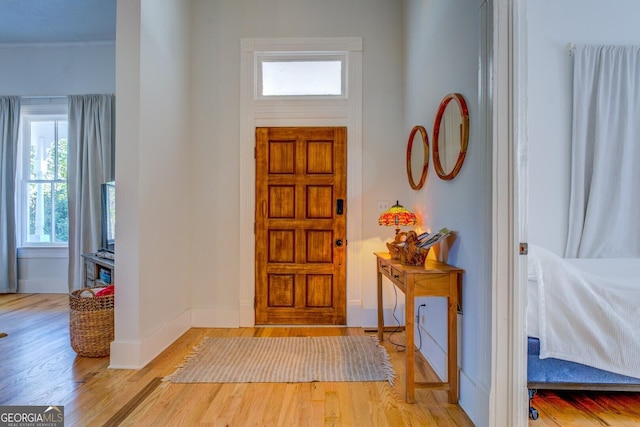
{"type": "Point", "coordinates": [57, 21]}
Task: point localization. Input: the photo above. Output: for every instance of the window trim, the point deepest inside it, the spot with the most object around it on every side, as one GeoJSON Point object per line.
{"type": "Point", "coordinates": [261, 57]}
{"type": "Point", "coordinates": [43, 252]}
{"type": "Point", "coordinates": [41, 110]}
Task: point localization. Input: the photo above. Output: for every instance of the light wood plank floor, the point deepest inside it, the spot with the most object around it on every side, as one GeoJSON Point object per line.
{"type": "Point", "coordinates": [38, 367]}
{"type": "Point", "coordinates": [586, 408]}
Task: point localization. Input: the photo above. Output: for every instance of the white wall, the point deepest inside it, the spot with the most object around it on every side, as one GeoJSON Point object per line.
{"type": "Point", "coordinates": [53, 70]}
{"type": "Point", "coordinates": [177, 139]}
{"type": "Point", "coordinates": [442, 50]}
{"type": "Point", "coordinates": [153, 148]}
{"type": "Point", "coordinates": [218, 27]}
{"type": "Point", "coordinates": [434, 68]}
{"type": "Point", "coordinates": [57, 69]}
{"type": "Point", "coordinates": [551, 26]}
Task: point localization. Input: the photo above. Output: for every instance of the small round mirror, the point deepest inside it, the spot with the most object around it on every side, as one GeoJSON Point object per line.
{"type": "Point", "coordinates": [417, 157]}
{"type": "Point", "coordinates": [450, 136]}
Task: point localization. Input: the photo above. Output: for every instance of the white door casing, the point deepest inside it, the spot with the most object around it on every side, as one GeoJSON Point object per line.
{"type": "Point", "coordinates": [508, 399]}
{"type": "Point", "coordinates": [311, 111]}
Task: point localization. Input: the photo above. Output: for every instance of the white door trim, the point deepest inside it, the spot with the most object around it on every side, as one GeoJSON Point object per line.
{"type": "Point", "coordinates": [520, 227]}
{"type": "Point", "coordinates": [256, 112]}
{"type": "Point", "coordinates": [509, 399]}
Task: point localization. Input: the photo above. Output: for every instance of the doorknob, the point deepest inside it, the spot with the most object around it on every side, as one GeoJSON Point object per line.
{"type": "Point", "coordinates": [339, 242]}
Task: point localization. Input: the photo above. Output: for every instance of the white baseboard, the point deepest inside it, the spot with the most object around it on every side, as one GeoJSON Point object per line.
{"type": "Point", "coordinates": [136, 354]}
{"type": "Point", "coordinates": [43, 286]}
{"type": "Point", "coordinates": [247, 314]}
{"type": "Point", "coordinates": [368, 317]}
{"type": "Point", "coordinates": [474, 400]}
{"type": "Point", "coordinates": [435, 355]}
{"type": "Point", "coordinates": [215, 318]}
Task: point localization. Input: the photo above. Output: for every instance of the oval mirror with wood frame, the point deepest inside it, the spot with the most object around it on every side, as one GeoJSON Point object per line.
{"type": "Point", "coordinates": [417, 157]}
{"type": "Point", "coordinates": [450, 136]}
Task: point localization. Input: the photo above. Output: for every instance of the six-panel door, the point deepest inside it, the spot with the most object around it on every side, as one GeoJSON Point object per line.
{"type": "Point", "coordinates": [301, 225]}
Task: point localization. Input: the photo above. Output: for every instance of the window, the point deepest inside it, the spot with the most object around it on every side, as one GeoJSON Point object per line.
{"type": "Point", "coordinates": [43, 206]}
{"type": "Point", "coordinates": [297, 75]}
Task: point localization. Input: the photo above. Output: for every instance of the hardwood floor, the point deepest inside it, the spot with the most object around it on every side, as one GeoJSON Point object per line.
{"type": "Point", "coordinates": [38, 367]}
{"type": "Point", "coordinates": [586, 408]}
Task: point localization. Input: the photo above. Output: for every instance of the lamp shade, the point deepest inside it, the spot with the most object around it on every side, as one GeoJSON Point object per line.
{"type": "Point", "coordinates": [397, 215]}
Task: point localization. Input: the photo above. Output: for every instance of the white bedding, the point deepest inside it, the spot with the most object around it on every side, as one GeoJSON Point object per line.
{"type": "Point", "coordinates": [585, 310]}
{"type": "Point", "coordinates": [623, 270]}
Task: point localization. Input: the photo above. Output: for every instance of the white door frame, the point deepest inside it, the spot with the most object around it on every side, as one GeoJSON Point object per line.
{"type": "Point", "coordinates": [261, 112]}
{"type": "Point", "coordinates": [509, 398]}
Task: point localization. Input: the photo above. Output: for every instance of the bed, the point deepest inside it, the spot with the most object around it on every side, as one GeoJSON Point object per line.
{"type": "Point", "coordinates": [579, 311]}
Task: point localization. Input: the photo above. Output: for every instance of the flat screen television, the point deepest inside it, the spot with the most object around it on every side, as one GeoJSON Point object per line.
{"type": "Point", "coordinates": [108, 240]}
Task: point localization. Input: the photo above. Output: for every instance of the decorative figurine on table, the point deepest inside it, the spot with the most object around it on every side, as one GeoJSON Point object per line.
{"type": "Point", "coordinates": [393, 247]}
{"type": "Point", "coordinates": [410, 251]}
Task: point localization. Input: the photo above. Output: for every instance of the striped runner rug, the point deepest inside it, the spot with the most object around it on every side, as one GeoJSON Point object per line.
{"type": "Point", "coordinates": [285, 359]}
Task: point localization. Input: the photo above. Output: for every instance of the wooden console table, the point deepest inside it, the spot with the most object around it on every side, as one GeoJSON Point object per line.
{"type": "Point", "coordinates": [434, 279]}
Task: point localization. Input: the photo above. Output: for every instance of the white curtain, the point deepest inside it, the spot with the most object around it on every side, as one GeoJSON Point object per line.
{"type": "Point", "coordinates": [604, 206]}
{"type": "Point", "coordinates": [9, 127]}
{"type": "Point", "coordinates": [90, 164]}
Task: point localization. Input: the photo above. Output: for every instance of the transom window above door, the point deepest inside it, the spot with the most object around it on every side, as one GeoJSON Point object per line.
{"type": "Point", "coordinates": [296, 74]}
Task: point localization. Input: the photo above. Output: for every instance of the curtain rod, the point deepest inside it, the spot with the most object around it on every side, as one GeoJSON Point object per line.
{"type": "Point", "coordinates": [43, 97]}
{"type": "Point", "coordinates": [572, 48]}
{"type": "Point", "coordinates": [51, 96]}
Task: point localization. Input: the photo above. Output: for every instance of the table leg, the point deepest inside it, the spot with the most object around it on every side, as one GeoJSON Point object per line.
{"type": "Point", "coordinates": [452, 338]}
{"type": "Point", "coordinates": [380, 313]}
{"type": "Point", "coordinates": [410, 350]}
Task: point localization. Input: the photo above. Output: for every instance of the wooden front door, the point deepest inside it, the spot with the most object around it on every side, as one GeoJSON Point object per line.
{"type": "Point", "coordinates": [301, 189]}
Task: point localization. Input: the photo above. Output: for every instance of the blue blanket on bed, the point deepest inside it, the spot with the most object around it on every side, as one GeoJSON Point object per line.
{"type": "Point", "coordinates": [557, 372]}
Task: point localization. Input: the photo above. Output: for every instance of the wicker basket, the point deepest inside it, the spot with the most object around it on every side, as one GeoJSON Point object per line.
{"type": "Point", "coordinates": [90, 323]}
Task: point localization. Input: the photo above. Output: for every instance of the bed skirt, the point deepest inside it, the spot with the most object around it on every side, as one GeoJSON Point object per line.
{"type": "Point", "coordinates": [563, 375]}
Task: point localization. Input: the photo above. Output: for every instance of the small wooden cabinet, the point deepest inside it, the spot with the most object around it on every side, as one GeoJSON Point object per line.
{"type": "Point", "coordinates": [98, 271]}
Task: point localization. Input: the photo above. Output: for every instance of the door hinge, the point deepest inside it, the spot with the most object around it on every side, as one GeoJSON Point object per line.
{"type": "Point", "coordinates": [255, 152]}
{"type": "Point", "coordinates": [524, 248]}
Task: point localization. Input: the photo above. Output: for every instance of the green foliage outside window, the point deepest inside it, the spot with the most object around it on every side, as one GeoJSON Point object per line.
{"type": "Point", "coordinates": [49, 191]}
